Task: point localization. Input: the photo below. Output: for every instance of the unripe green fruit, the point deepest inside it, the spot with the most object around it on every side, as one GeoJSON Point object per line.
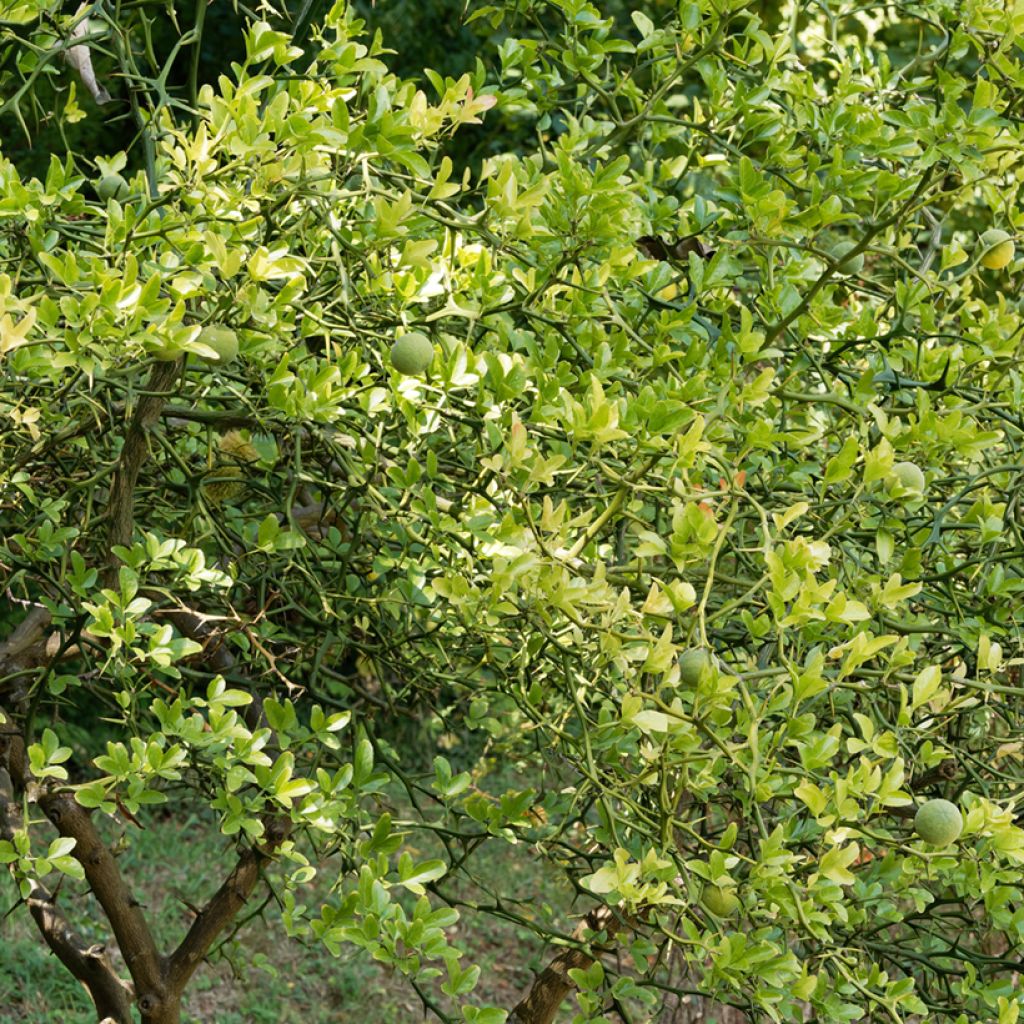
{"type": "Point", "coordinates": [412, 353]}
{"type": "Point", "coordinates": [938, 822]}
{"type": "Point", "coordinates": [909, 476]}
{"type": "Point", "coordinates": [997, 249]}
{"type": "Point", "coordinates": [166, 353]}
{"type": "Point", "coordinates": [854, 265]}
{"type": "Point", "coordinates": [693, 663]}
{"type": "Point", "coordinates": [222, 340]}
{"type": "Point", "coordinates": [112, 186]}
{"type": "Point", "coordinates": [721, 902]}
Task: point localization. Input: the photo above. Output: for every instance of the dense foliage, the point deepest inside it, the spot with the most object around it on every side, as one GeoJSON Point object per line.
{"type": "Point", "coordinates": [705, 517]}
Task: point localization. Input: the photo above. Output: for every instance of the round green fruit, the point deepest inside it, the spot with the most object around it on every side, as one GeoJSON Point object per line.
{"type": "Point", "coordinates": [693, 663]}
{"type": "Point", "coordinates": [721, 902]}
{"type": "Point", "coordinates": [412, 353]}
{"type": "Point", "coordinates": [938, 822]}
{"type": "Point", "coordinates": [112, 186]}
{"type": "Point", "coordinates": [166, 353]}
{"type": "Point", "coordinates": [222, 340]}
{"type": "Point", "coordinates": [909, 476]}
{"type": "Point", "coordinates": [853, 265]}
{"type": "Point", "coordinates": [997, 249]}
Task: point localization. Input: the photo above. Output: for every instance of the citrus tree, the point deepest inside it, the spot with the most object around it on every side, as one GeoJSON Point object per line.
{"type": "Point", "coordinates": [668, 455]}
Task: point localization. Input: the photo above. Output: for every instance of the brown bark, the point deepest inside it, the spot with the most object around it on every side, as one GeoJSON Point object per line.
{"type": "Point", "coordinates": [553, 984]}
{"type": "Point", "coordinates": [122, 909]}
{"type": "Point", "coordinates": [121, 505]}
{"type": "Point", "coordinates": [26, 646]}
{"type": "Point", "coordinates": [26, 635]}
{"type": "Point", "coordinates": [216, 655]}
{"type": "Point", "coordinates": [89, 963]}
{"type": "Point", "coordinates": [551, 987]}
{"type": "Point", "coordinates": [223, 906]}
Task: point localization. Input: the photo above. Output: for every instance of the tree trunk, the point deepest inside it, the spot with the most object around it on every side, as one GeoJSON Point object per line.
{"type": "Point", "coordinates": [165, 1010]}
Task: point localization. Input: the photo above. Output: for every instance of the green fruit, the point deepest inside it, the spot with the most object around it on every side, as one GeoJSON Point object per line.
{"type": "Point", "coordinates": [909, 476]}
{"type": "Point", "coordinates": [112, 186]}
{"type": "Point", "coordinates": [164, 348]}
{"type": "Point", "coordinates": [854, 265]}
{"type": "Point", "coordinates": [693, 663]}
{"type": "Point", "coordinates": [159, 348]}
{"type": "Point", "coordinates": [997, 249]}
{"type": "Point", "coordinates": [412, 353]}
{"type": "Point", "coordinates": [222, 340]}
{"type": "Point", "coordinates": [721, 902]}
{"type": "Point", "coordinates": [938, 822]}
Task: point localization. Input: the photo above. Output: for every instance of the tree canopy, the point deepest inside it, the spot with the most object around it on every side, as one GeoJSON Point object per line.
{"type": "Point", "coordinates": [703, 519]}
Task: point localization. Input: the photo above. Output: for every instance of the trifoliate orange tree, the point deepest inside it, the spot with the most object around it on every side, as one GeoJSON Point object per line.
{"type": "Point", "coordinates": [693, 491]}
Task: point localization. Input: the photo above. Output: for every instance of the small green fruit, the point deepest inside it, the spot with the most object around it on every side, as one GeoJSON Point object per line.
{"type": "Point", "coordinates": [721, 902]}
{"type": "Point", "coordinates": [693, 663]}
{"type": "Point", "coordinates": [112, 186]}
{"type": "Point", "coordinates": [938, 822]}
{"type": "Point", "coordinates": [854, 265]}
{"type": "Point", "coordinates": [412, 353]}
{"type": "Point", "coordinates": [997, 249]}
{"type": "Point", "coordinates": [222, 340]}
{"type": "Point", "coordinates": [909, 476]}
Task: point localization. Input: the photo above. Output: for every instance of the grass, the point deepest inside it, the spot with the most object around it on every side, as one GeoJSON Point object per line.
{"type": "Point", "coordinates": [266, 978]}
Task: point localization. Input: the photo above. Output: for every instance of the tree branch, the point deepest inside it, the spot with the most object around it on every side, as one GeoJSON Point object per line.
{"type": "Point", "coordinates": [122, 910]}
{"type": "Point", "coordinates": [21, 648]}
{"type": "Point", "coordinates": [223, 906]}
{"type": "Point", "coordinates": [121, 506]}
{"type": "Point", "coordinates": [552, 985]}
{"type": "Point", "coordinates": [90, 964]}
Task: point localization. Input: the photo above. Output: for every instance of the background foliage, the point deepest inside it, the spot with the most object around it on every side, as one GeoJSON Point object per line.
{"type": "Point", "coordinates": [336, 595]}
